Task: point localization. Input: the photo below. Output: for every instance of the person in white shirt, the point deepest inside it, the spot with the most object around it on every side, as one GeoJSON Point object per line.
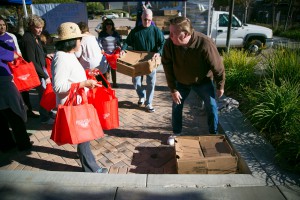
{"type": "Point", "coordinates": [90, 55]}
{"type": "Point", "coordinates": [66, 69]}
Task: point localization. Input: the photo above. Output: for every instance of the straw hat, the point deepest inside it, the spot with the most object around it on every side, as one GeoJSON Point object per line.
{"type": "Point", "coordinates": [68, 30]}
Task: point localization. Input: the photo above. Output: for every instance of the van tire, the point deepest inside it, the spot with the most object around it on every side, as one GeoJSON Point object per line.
{"type": "Point", "coordinates": [254, 47]}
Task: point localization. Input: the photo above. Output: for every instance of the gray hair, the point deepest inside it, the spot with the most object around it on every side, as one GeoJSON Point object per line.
{"type": "Point", "coordinates": [147, 12]}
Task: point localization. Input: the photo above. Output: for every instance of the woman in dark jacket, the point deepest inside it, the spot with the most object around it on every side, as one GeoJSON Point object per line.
{"type": "Point", "coordinates": [32, 51]}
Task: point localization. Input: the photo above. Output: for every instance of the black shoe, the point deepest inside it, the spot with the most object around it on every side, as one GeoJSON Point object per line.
{"type": "Point", "coordinates": [32, 114]}
{"type": "Point", "coordinates": [102, 170]}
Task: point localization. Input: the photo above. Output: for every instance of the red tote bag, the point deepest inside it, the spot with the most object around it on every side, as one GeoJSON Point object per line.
{"type": "Point", "coordinates": [48, 100]}
{"type": "Point", "coordinates": [25, 76]}
{"type": "Point", "coordinates": [112, 58]}
{"type": "Point", "coordinates": [76, 123]}
{"type": "Point", "coordinates": [106, 104]}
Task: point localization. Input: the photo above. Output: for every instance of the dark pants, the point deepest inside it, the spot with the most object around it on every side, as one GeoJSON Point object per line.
{"type": "Point", "coordinates": [87, 159]}
{"type": "Point", "coordinates": [26, 99]}
{"type": "Point", "coordinates": [19, 138]}
{"type": "Point", "coordinates": [114, 76]}
{"type": "Point", "coordinates": [206, 91]}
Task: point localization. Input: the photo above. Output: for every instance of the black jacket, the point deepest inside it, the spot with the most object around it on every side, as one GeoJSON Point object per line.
{"type": "Point", "coordinates": [33, 52]}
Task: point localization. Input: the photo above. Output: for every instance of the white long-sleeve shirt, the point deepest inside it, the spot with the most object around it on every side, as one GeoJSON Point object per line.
{"type": "Point", "coordinates": [66, 69]}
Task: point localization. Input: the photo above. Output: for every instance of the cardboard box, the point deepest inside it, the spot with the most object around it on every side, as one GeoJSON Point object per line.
{"type": "Point", "coordinates": [209, 154]}
{"type": "Point", "coordinates": [123, 30]}
{"type": "Point", "coordinates": [137, 63]}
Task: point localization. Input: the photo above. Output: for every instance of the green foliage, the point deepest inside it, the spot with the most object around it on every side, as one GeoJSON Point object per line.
{"type": "Point", "coordinates": [284, 63]}
{"type": "Point", "coordinates": [275, 111]}
{"type": "Point", "coordinates": [239, 70]}
{"type": "Point", "coordinates": [270, 102]}
{"type": "Point", "coordinates": [293, 33]}
{"type": "Point", "coordinates": [94, 7]}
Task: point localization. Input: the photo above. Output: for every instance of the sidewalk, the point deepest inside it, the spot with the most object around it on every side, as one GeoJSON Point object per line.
{"type": "Point", "coordinates": [141, 164]}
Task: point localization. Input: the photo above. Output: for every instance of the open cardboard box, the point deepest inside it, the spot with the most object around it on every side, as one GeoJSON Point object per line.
{"type": "Point", "coordinates": [137, 63]}
{"type": "Point", "coordinates": [208, 154]}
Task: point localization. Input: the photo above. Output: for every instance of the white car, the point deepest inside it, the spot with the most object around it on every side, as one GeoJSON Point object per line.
{"type": "Point", "coordinates": [112, 16]}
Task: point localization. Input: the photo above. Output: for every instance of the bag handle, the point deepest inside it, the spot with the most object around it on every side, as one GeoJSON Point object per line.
{"type": "Point", "coordinates": [14, 64]}
{"type": "Point", "coordinates": [98, 72]}
{"type": "Point", "coordinates": [74, 92]}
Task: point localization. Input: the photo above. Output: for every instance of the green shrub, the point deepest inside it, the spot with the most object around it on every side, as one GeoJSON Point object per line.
{"type": "Point", "coordinates": [276, 112]}
{"type": "Point", "coordinates": [274, 109]}
{"type": "Point", "coordinates": [284, 63]}
{"type": "Point", "coordinates": [239, 70]}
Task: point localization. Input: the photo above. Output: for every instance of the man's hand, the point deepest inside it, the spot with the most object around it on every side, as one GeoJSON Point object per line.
{"type": "Point", "coordinates": [220, 93]}
{"type": "Point", "coordinates": [122, 53]}
{"type": "Point", "coordinates": [176, 97]}
{"type": "Point", "coordinates": [156, 55]}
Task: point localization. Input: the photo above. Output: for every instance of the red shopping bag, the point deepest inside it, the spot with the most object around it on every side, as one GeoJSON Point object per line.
{"type": "Point", "coordinates": [48, 100]}
{"type": "Point", "coordinates": [75, 122]}
{"type": "Point", "coordinates": [90, 74]}
{"type": "Point", "coordinates": [25, 76]}
{"type": "Point", "coordinates": [106, 104]}
{"type": "Point", "coordinates": [48, 66]}
{"type": "Point", "coordinates": [112, 58]}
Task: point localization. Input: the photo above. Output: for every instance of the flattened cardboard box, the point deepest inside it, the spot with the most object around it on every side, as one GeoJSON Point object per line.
{"type": "Point", "coordinates": [137, 63]}
{"type": "Point", "coordinates": [209, 154]}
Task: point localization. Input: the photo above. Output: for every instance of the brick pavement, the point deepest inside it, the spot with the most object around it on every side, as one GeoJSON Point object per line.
{"type": "Point", "coordinates": [138, 146]}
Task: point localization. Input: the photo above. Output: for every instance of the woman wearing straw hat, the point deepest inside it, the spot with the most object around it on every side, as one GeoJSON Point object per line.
{"type": "Point", "coordinates": [66, 70]}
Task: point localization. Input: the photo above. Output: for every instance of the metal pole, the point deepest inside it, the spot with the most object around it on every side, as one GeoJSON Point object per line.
{"type": "Point", "coordinates": [24, 8]}
{"type": "Point", "coordinates": [229, 26]}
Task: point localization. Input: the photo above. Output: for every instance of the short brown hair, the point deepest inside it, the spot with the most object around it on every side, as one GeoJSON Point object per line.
{"type": "Point", "coordinates": [83, 27]}
{"type": "Point", "coordinates": [183, 23]}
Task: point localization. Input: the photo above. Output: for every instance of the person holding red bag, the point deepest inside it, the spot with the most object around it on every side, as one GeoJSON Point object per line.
{"type": "Point", "coordinates": [12, 108]}
{"type": "Point", "coordinates": [67, 70]}
{"type": "Point", "coordinates": [32, 51]}
{"type": "Point", "coordinates": [109, 39]}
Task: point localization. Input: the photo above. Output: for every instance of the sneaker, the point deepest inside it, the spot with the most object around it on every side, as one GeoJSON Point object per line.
{"type": "Point", "coordinates": [32, 114]}
{"type": "Point", "coordinates": [141, 102]}
{"type": "Point", "coordinates": [49, 121]}
{"type": "Point", "coordinates": [102, 170]}
{"type": "Point", "coordinates": [150, 108]}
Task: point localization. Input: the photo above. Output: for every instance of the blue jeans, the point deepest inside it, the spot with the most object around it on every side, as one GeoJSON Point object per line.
{"type": "Point", "coordinates": [145, 91]}
{"type": "Point", "coordinates": [206, 91]}
{"type": "Point", "coordinates": [87, 159]}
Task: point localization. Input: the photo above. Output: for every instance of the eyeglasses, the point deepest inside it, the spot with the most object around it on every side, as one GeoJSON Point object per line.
{"type": "Point", "coordinates": [147, 20]}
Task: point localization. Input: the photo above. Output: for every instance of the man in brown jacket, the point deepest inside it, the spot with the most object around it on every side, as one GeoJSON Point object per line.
{"type": "Point", "coordinates": [191, 62]}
